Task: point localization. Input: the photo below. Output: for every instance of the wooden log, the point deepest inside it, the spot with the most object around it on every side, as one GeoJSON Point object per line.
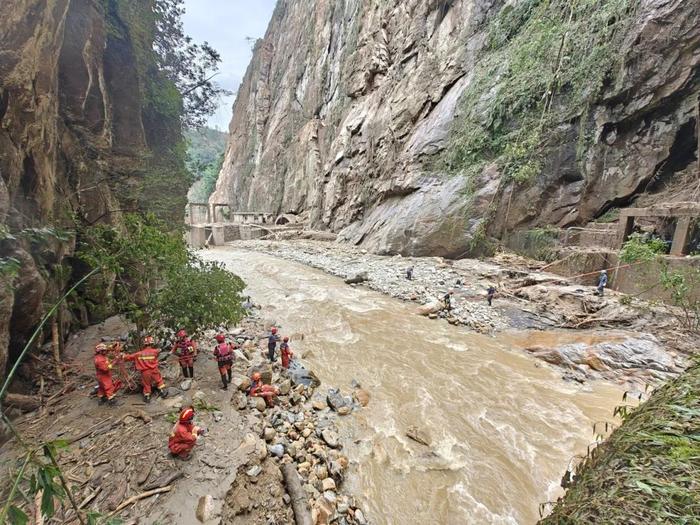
{"type": "Point", "coordinates": [300, 506]}
{"type": "Point", "coordinates": [22, 402]}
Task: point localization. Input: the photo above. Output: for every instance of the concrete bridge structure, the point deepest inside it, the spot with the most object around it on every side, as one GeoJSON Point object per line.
{"type": "Point", "coordinates": [215, 224]}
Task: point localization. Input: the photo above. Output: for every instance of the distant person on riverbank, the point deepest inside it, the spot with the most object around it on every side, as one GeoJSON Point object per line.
{"type": "Point", "coordinates": [184, 435]}
{"type": "Point", "coordinates": [186, 351]}
{"type": "Point", "coordinates": [223, 352]}
{"type": "Point", "coordinates": [286, 352]}
{"type": "Point", "coordinates": [260, 389]}
{"type": "Point", "coordinates": [490, 294]}
{"type": "Point", "coordinates": [602, 282]}
{"type": "Point", "coordinates": [447, 300]}
{"type": "Point", "coordinates": [409, 273]}
{"type": "Point", "coordinates": [272, 341]}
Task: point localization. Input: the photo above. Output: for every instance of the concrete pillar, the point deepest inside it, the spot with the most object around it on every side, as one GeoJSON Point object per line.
{"type": "Point", "coordinates": [218, 238]}
{"type": "Point", "coordinates": [625, 229]}
{"type": "Point", "coordinates": [681, 236]}
{"type": "Point", "coordinates": [197, 237]}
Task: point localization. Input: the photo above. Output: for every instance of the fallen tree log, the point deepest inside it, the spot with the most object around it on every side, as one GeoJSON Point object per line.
{"type": "Point", "coordinates": [302, 514]}
{"type": "Point", "coordinates": [22, 402]}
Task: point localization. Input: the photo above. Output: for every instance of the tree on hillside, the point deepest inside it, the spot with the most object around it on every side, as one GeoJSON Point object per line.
{"type": "Point", "coordinates": [190, 66]}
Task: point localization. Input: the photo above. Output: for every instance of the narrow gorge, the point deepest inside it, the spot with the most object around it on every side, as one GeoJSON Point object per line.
{"type": "Point", "coordinates": [444, 266]}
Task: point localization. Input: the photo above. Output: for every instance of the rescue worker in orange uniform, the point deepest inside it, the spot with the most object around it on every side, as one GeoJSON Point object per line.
{"type": "Point", "coordinates": [103, 370]}
{"type": "Point", "coordinates": [146, 362]}
{"type": "Point", "coordinates": [259, 389]}
{"type": "Point", "coordinates": [286, 352]}
{"type": "Point", "coordinates": [186, 351]}
{"type": "Point", "coordinates": [223, 352]}
{"type": "Point", "coordinates": [184, 435]}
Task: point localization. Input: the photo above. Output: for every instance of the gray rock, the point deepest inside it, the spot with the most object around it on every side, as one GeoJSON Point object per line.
{"type": "Point", "coordinates": [186, 385]}
{"type": "Point", "coordinates": [331, 438]}
{"type": "Point", "coordinates": [335, 400]}
{"type": "Point", "coordinates": [276, 450]}
{"type": "Point", "coordinates": [254, 471]}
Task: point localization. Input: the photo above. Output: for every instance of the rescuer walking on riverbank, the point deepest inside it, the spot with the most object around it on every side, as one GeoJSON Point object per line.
{"type": "Point", "coordinates": [103, 371]}
{"type": "Point", "coordinates": [146, 362]}
{"type": "Point", "coordinates": [602, 282]}
{"type": "Point", "coordinates": [286, 352]}
{"type": "Point", "coordinates": [186, 351]}
{"type": "Point", "coordinates": [272, 341]}
{"type": "Point", "coordinates": [223, 352]}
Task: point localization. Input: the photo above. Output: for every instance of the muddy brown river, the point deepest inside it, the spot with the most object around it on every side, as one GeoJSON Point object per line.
{"type": "Point", "coordinates": [503, 426]}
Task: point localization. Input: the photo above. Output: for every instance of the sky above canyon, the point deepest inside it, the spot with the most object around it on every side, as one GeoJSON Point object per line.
{"type": "Point", "coordinates": [229, 26]}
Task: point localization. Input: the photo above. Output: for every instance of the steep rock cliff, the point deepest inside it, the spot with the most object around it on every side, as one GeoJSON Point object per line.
{"type": "Point", "coordinates": [349, 109]}
{"type": "Point", "coordinates": [82, 136]}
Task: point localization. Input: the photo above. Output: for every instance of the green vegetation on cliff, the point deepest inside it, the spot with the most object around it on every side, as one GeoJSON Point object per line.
{"type": "Point", "coordinates": [648, 470]}
{"type": "Point", "coordinates": [544, 63]}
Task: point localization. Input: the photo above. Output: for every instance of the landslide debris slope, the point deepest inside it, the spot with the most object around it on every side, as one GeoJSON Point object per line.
{"type": "Point", "coordinates": [87, 130]}
{"type": "Point", "coordinates": [423, 127]}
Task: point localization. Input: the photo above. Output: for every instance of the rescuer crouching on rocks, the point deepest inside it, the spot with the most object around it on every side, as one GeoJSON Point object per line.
{"type": "Point", "coordinates": [260, 389]}
{"type": "Point", "coordinates": [146, 362]}
{"type": "Point", "coordinates": [184, 435]}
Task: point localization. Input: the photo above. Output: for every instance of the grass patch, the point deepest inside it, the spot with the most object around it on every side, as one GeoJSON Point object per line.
{"type": "Point", "coordinates": [648, 471]}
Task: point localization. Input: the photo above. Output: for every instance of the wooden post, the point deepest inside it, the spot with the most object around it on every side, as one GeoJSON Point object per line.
{"type": "Point", "coordinates": [680, 236]}
{"type": "Point", "coordinates": [625, 229]}
{"type": "Point", "coordinates": [56, 349]}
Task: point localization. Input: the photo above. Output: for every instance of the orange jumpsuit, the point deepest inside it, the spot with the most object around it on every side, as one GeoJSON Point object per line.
{"type": "Point", "coordinates": [103, 369]}
{"type": "Point", "coordinates": [286, 354]}
{"type": "Point", "coordinates": [183, 439]}
{"type": "Point", "coordinates": [267, 392]}
{"type": "Point", "coordinates": [147, 363]}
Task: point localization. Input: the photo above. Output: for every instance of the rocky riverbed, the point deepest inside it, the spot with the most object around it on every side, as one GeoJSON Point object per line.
{"type": "Point", "coordinates": [118, 463]}
{"type": "Point", "coordinates": [644, 344]}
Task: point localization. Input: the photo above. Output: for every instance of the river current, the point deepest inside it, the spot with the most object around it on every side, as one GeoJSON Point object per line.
{"type": "Point", "coordinates": [503, 427]}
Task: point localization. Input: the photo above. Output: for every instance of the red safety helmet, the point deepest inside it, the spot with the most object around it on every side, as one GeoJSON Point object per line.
{"type": "Point", "coordinates": [285, 339]}
{"type": "Point", "coordinates": [100, 348]}
{"type": "Point", "coordinates": [273, 330]}
{"type": "Point", "coordinates": [187, 415]}
{"type": "Point", "coordinates": [148, 340]}
{"type": "Point", "coordinates": [181, 334]}
{"type": "Point", "coordinates": [257, 376]}
{"type": "Point", "coordinates": [220, 338]}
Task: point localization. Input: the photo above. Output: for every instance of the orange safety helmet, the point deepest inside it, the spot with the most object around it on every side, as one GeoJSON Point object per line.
{"type": "Point", "coordinates": [181, 334]}
{"type": "Point", "coordinates": [257, 376]}
{"type": "Point", "coordinates": [148, 340]}
{"type": "Point", "coordinates": [285, 339]}
{"type": "Point", "coordinates": [100, 348]}
{"type": "Point", "coordinates": [273, 330]}
{"type": "Point", "coordinates": [187, 415]}
{"type": "Point", "coordinates": [220, 338]}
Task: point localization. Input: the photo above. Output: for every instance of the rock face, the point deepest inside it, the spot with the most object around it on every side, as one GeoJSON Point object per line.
{"type": "Point", "coordinates": [77, 128]}
{"type": "Point", "coordinates": [348, 105]}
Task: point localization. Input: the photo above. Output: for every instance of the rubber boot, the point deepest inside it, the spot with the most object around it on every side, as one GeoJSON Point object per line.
{"type": "Point", "coordinates": [184, 372]}
{"type": "Point", "coordinates": [229, 376]}
{"type": "Point", "coordinates": [163, 393]}
{"type": "Point", "coordinates": [101, 400]}
{"type": "Point", "coordinates": [147, 398]}
{"type": "Point", "coordinates": [113, 402]}
{"type": "Point", "coordinates": [223, 381]}
{"type": "Point", "coordinates": [191, 369]}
